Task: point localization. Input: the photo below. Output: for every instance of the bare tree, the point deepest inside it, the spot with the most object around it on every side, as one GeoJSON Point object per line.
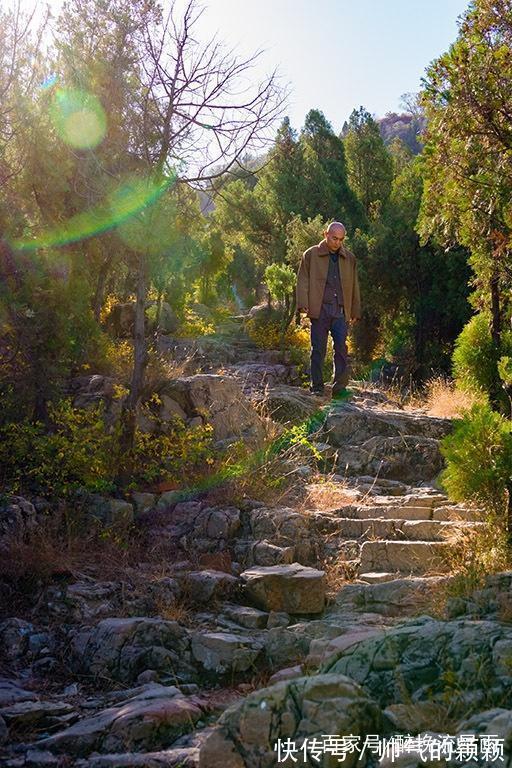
{"type": "Point", "coordinates": [201, 113]}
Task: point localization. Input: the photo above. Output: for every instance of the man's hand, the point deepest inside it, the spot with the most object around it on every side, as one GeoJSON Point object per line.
{"type": "Point", "coordinates": [303, 309]}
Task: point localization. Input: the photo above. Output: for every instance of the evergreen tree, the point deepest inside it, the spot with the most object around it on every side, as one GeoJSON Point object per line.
{"type": "Point", "coordinates": [370, 167]}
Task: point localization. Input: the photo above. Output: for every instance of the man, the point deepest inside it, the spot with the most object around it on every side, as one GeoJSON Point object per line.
{"type": "Point", "coordinates": [328, 292]}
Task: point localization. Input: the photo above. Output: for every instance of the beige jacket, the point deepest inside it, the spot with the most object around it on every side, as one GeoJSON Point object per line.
{"type": "Point", "coordinates": [312, 277]}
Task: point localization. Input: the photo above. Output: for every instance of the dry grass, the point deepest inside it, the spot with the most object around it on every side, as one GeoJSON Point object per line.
{"type": "Point", "coordinates": [446, 400]}
{"type": "Point", "coordinates": [338, 572]}
{"type": "Point", "coordinates": [179, 611]}
{"type": "Point", "coordinates": [438, 396]}
{"type": "Point", "coordinates": [325, 495]}
{"type": "Point", "coordinates": [474, 553]}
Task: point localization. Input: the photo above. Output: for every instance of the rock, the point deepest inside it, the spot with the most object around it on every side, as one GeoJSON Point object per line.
{"type": "Point", "coordinates": [265, 553]}
{"type": "Point", "coordinates": [139, 723]}
{"type": "Point", "coordinates": [203, 586]}
{"type": "Point", "coordinates": [90, 391]}
{"type": "Point", "coordinates": [142, 502]}
{"type": "Point", "coordinates": [292, 588]}
{"type": "Point", "coordinates": [288, 673]}
{"type": "Point", "coordinates": [347, 423]}
{"type": "Point", "coordinates": [38, 642]}
{"type": "Point", "coordinates": [223, 652]}
{"type": "Point", "coordinates": [108, 511]}
{"type": "Point", "coordinates": [39, 758]}
{"type": "Point", "coordinates": [247, 733]}
{"type": "Point", "coordinates": [212, 526]}
{"type": "Point", "coordinates": [167, 758]}
{"type": "Point", "coordinates": [123, 648]}
{"type": "Point", "coordinates": [287, 405]}
{"type": "Point", "coordinates": [425, 659]}
{"type": "Point", "coordinates": [496, 722]}
{"type": "Point", "coordinates": [285, 646]}
{"type": "Point", "coordinates": [18, 517]}
{"type": "Point", "coordinates": [10, 693]}
{"type": "Point", "coordinates": [397, 597]}
{"type": "Point", "coordinates": [282, 526]}
{"type": "Point", "coordinates": [14, 638]}
{"type": "Point", "coordinates": [23, 717]}
{"type": "Point", "coordinates": [167, 320]}
{"type": "Point", "coordinates": [83, 600]}
{"type": "Point", "coordinates": [148, 676]}
{"type": "Point", "coordinates": [409, 458]}
{"type": "Point", "coordinates": [277, 619]}
{"type": "Point", "coordinates": [251, 618]}
{"type": "Point", "coordinates": [44, 666]}
{"type": "Point", "coordinates": [221, 400]}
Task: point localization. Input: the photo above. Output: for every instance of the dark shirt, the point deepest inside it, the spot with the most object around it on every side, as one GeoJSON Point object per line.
{"type": "Point", "coordinates": [332, 294]}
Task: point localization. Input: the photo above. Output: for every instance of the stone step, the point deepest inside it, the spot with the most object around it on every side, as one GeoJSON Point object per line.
{"type": "Point", "coordinates": [397, 596]}
{"type": "Point", "coordinates": [444, 513]}
{"type": "Point", "coordinates": [413, 557]}
{"type": "Point", "coordinates": [376, 577]}
{"type": "Point", "coordinates": [400, 528]}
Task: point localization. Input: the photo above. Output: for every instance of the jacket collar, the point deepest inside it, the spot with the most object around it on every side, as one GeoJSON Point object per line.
{"type": "Point", "coordinates": [323, 250]}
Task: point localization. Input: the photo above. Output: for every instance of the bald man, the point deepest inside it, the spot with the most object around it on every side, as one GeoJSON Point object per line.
{"type": "Point", "coordinates": [328, 292]}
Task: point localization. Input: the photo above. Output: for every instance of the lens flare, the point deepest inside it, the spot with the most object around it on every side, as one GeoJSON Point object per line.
{"type": "Point", "coordinates": [79, 118]}
{"type": "Point", "coordinates": [135, 195]}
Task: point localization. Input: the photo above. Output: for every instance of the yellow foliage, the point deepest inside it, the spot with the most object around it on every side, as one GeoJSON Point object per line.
{"type": "Point", "coordinates": [194, 326]}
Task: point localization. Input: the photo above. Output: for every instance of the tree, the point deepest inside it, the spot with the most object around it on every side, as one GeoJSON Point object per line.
{"type": "Point", "coordinates": [370, 168]}
{"type": "Point", "coordinates": [468, 102]}
{"type": "Point", "coordinates": [191, 116]}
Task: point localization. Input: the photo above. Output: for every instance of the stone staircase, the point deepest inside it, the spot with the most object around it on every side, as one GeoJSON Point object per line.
{"type": "Point", "coordinates": [403, 526]}
{"type": "Point", "coordinates": [404, 536]}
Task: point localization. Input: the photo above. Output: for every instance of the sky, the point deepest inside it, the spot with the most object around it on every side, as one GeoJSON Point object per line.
{"type": "Point", "coordinates": [334, 55]}
{"type": "Point", "coordinates": [337, 55]}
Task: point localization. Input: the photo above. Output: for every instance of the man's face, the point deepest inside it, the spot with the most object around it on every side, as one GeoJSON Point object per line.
{"type": "Point", "coordinates": [334, 238]}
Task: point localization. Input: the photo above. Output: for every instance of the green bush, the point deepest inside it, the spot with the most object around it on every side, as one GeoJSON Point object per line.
{"type": "Point", "coordinates": [479, 458]}
{"type": "Point", "coordinates": [80, 453]}
{"type": "Point", "coordinates": [475, 357]}
{"type": "Point", "coordinates": [77, 453]}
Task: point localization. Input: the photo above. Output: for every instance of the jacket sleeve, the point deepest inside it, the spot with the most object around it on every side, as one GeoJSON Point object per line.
{"type": "Point", "coordinates": [303, 283]}
{"type": "Point", "coordinates": [356, 297]}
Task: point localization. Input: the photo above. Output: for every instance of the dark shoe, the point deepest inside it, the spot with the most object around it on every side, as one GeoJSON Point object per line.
{"type": "Point", "coordinates": [316, 390]}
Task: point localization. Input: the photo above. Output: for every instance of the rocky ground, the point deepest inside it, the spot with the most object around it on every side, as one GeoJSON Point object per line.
{"type": "Point", "coordinates": [270, 645]}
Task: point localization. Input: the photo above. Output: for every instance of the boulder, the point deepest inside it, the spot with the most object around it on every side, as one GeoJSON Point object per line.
{"type": "Point", "coordinates": [25, 716]}
{"type": "Point", "coordinates": [291, 588]}
{"type": "Point", "coordinates": [14, 638]}
{"type": "Point", "coordinates": [250, 734]}
{"type": "Point", "coordinates": [408, 458]}
{"type": "Point", "coordinates": [150, 720]}
{"type": "Point", "coordinates": [288, 405]}
{"type": "Point", "coordinates": [201, 587]}
{"type": "Point", "coordinates": [123, 648]}
{"type": "Point", "coordinates": [220, 401]}
{"type": "Point", "coordinates": [347, 423]}
{"type": "Point", "coordinates": [425, 659]}
{"type": "Point", "coordinates": [18, 517]}
{"type": "Point", "coordinates": [222, 652]}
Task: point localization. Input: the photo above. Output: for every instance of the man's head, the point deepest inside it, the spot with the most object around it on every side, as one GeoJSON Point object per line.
{"type": "Point", "coordinates": [335, 235]}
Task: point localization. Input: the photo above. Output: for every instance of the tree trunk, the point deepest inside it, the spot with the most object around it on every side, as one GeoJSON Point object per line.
{"type": "Point", "coordinates": [496, 388]}
{"type": "Point", "coordinates": [99, 295]}
{"type": "Point", "coordinates": [129, 412]}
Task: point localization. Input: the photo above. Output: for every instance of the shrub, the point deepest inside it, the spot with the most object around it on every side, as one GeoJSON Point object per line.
{"type": "Point", "coordinates": [475, 358]}
{"type": "Point", "coordinates": [180, 453]}
{"type": "Point", "coordinates": [78, 452]}
{"type": "Point", "coordinates": [479, 458]}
